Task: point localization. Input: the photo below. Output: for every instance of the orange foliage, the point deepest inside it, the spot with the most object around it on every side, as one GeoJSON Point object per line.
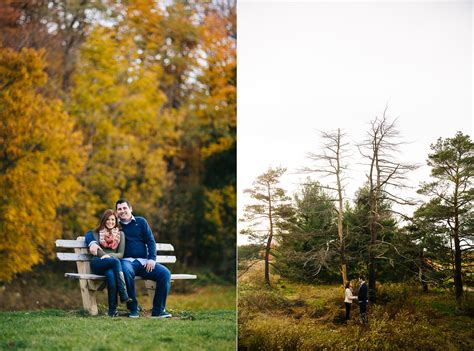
{"type": "Point", "coordinates": [40, 155]}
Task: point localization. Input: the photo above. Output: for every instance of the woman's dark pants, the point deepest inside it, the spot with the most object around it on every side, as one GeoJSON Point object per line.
{"type": "Point", "coordinates": [348, 310]}
{"type": "Point", "coordinates": [112, 269]}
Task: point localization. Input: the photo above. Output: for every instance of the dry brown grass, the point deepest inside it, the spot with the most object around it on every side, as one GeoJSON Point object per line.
{"type": "Point", "coordinates": [294, 316]}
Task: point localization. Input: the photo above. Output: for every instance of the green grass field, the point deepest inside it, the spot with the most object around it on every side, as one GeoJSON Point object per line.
{"type": "Point", "coordinates": [204, 318]}
{"type": "Point", "coordinates": [61, 330]}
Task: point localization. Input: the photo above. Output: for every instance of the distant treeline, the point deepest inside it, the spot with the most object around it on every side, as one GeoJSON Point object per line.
{"type": "Point", "coordinates": [107, 99]}
{"type": "Point", "coordinates": [319, 235]}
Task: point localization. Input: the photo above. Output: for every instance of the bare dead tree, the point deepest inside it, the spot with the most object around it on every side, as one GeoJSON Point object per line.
{"type": "Point", "coordinates": [331, 163]}
{"type": "Point", "coordinates": [385, 173]}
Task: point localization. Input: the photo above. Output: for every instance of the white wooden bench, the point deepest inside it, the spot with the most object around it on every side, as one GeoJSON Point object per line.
{"type": "Point", "coordinates": [91, 283]}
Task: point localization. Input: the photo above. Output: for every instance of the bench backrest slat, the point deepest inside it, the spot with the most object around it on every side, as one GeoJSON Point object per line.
{"type": "Point", "coordinates": [80, 243]}
{"type": "Point", "coordinates": [70, 256]}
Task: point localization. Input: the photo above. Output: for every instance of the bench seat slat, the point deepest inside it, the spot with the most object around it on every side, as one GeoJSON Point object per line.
{"type": "Point", "coordinates": [70, 256]}
{"type": "Point", "coordinates": [101, 277]}
{"type": "Point", "coordinates": [73, 244]}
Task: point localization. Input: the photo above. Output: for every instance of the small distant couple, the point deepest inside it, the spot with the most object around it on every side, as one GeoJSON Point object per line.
{"type": "Point", "coordinates": [124, 246]}
{"type": "Point", "coordinates": [362, 297]}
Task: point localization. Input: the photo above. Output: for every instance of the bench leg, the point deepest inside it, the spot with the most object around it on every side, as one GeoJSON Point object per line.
{"type": "Point", "coordinates": [89, 300]}
{"type": "Point", "coordinates": [150, 288]}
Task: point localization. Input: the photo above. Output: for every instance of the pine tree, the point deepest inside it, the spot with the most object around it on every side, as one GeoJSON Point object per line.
{"type": "Point", "coordinates": [451, 197]}
{"type": "Point", "coordinates": [309, 250]}
{"type": "Point", "coordinates": [266, 218]}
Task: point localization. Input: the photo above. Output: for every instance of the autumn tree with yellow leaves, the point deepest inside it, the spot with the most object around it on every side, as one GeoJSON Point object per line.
{"type": "Point", "coordinates": [41, 156]}
{"type": "Point", "coordinates": [150, 94]}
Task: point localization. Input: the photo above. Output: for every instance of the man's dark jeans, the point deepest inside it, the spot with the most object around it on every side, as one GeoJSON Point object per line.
{"type": "Point", "coordinates": [160, 274]}
{"type": "Point", "coordinates": [363, 311]}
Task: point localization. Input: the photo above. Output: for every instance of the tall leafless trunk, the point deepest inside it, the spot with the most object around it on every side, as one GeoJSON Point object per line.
{"type": "Point", "coordinates": [330, 163]}
{"type": "Point", "coordinates": [340, 200]}
{"type": "Point", "coordinates": [384, 172]}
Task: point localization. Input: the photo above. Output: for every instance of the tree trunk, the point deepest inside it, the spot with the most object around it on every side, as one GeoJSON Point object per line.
{"type": "Point", "coordinates": [269, 241]}
{"type": "Point", "coordinates": [424, 283]}
{"type": "Point", "coordinates": [340, 230]}
{"type": "Point", "coordinates": [342, 252]}
{"type": "Point", "coordinates": [344, 272]}
{"type": "Point", "coordinates": [421, 273]}
{"type": "Point", "coordinates": [267, 259]}
{"type": "Point", "coordinates": [457, 247]}
{"type": "Point", "coordinates": [343, 247]}
{"type": "Point", "coordinates": [457, 267]}
{"type": "Point", "coordinates": [373, 240]}
{"type": "Point", "coordinates": [372, 276]}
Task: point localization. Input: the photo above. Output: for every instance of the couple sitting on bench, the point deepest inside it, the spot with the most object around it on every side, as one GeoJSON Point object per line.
{"type": "Point", "coordinates": [124, 246]}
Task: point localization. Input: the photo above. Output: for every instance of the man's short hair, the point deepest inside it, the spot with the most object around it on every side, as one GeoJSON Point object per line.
{"type": "Point", "coordinates": [121, 201]}
{"type": "Point", "coordinates": [361, 277]}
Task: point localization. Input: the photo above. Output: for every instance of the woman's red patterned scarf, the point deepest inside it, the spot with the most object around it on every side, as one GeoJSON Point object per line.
{"type": "Point", "coordinates": [109, 239]}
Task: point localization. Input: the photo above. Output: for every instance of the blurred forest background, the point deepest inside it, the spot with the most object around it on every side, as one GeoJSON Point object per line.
{"type": "Point", "coordinates": [106, 99]}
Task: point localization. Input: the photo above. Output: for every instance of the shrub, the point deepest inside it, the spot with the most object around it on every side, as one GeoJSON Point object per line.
{"type": "Point", "coordinates": [262, 300]}
{"type": "Point", "coordinates": [392, 291]}
{"type": "Point", "coordinates": [282, 333]}
{"type": "Point", "coordinates": [406, 320]}
{"type": "Point", "coordinates": [254, 276]}
{"type": "Point", "coordinates": [466, 305]}
{"type": "Point", "coordinates": [316, 310]}
{"type": "Point", "coordinates": [405, 331]}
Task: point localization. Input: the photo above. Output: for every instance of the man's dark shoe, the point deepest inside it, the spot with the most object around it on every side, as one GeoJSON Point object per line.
{"type": "Point", "coordinates": [163, 314]}
{"type": "Point", "coordinates": [134, 314]}
{"type": "Point", "coordinates": [130, 306]}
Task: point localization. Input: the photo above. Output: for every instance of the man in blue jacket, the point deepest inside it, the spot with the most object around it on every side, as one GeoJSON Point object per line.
{"type": "Point", "coordinates": [139, 259]}
{"type": "Point", "coordinates": [362, 296]}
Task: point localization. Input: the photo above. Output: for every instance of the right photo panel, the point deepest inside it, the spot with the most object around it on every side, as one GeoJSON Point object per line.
{"type": "Point", "coordinates": [355, 173]}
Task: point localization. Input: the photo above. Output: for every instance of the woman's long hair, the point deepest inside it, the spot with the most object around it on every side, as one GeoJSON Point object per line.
{"type": "Point", "coordinates": [103, 219]}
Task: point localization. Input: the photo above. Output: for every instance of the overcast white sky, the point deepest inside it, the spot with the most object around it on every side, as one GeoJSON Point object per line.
{"type": "Point", "coordinates": [313, 65]}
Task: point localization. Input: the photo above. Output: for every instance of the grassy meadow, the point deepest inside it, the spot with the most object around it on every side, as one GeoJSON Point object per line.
{"type": "Point", "coordinates": [63, 330]}
{"type": "Point", "coordinates": [38, 316]}
{"type": "Point", "coordinates": [296, 316]}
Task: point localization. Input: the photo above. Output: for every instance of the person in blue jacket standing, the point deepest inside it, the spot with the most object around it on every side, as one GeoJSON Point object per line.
{"type": "Point", "coordinates": [362, 296]}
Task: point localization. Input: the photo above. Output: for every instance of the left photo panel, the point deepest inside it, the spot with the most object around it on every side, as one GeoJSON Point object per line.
{"type": "Point", "coordinates": [118, 174]}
